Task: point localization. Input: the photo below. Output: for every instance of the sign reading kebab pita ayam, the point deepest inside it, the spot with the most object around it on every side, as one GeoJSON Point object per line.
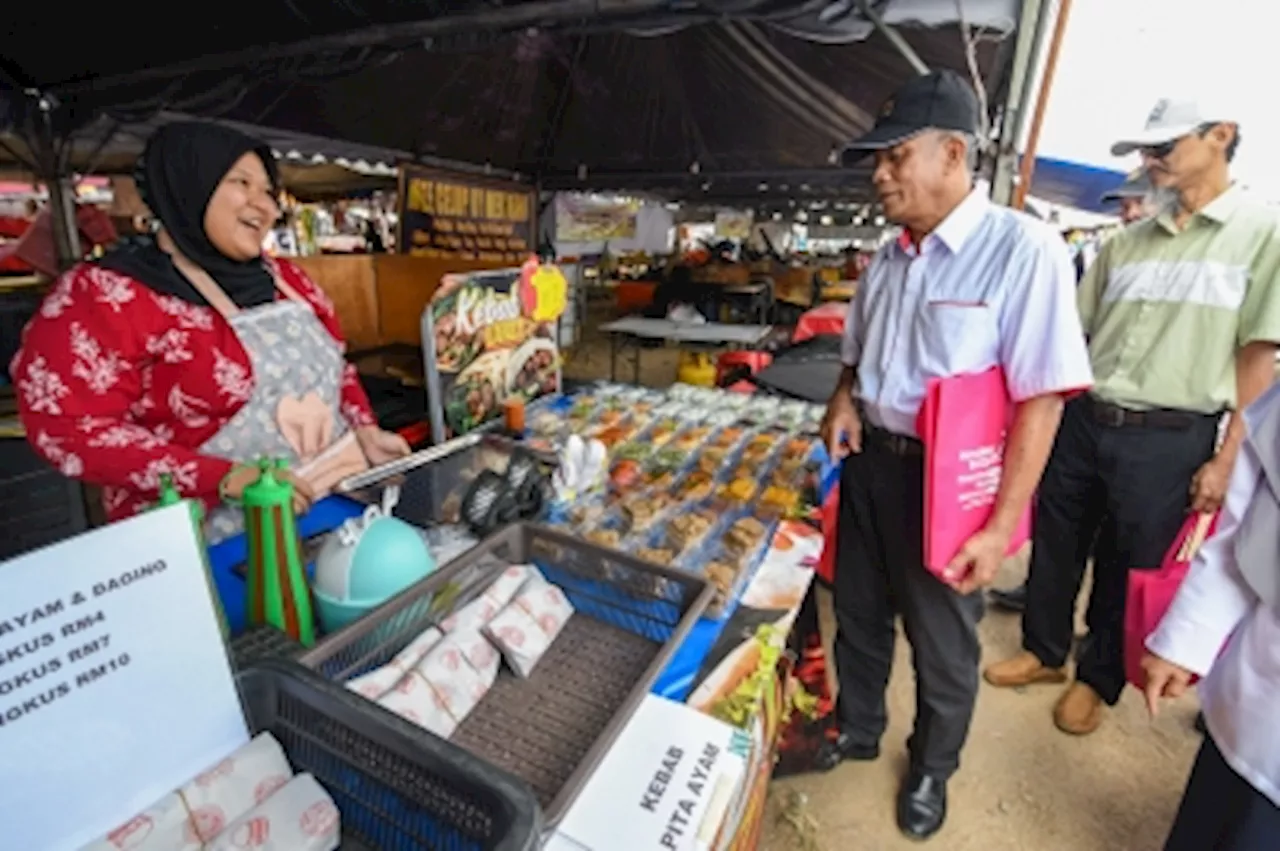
{"type": "Point", "coordinates": [453, 216]}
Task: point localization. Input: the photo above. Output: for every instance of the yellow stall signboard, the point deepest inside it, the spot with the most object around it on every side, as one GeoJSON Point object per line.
{"type": "Point", "coordinates": [448, 215]}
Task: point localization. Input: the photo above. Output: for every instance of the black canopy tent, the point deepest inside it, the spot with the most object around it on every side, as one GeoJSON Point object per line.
{"type": "Point", "coordinates": [707, 101]}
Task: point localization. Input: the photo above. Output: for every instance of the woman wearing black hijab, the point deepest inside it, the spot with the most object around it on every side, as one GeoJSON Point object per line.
{"type": "Point", "coordinates": [190, 353]}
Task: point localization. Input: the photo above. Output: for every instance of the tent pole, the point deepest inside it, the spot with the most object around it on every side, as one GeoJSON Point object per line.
{"type": "Point", "coordinates": [1028, 166]}
{"type": "Point", "coordinates": [1032, 25]}
{"type": "Point", "coordinates": [62, 209]}
{"type": "Point", "coordinates": [895, 38]}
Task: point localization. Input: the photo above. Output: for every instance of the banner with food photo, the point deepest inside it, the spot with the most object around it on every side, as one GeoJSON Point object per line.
{"type": "Point", "coordinates": [593, 218]}
{"type": "Point", "coordinates": [490, 336]}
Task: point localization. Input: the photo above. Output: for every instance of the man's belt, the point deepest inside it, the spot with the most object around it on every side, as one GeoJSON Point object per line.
{"type": "Point", "coordinates": [1115, 416]}
{"type": "Point", "coordinates": [895, 444]}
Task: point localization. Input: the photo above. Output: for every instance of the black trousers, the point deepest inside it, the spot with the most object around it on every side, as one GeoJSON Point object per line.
{"type": "Point", "coordinates": [1122, 491]}
{"type": "Point", "coordinates": [1221, 811]}
{"type": "Point", "coordinates": [880, 574]}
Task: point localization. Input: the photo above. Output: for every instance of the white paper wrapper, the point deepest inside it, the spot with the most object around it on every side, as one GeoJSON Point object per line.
{"type": "Point", "coordinates": [408, 658]}
{"type": "Point", "coordinates": [299, 817]}
{"type": "Point", "coordinates": [164, 826]}
{"type": "Point", "coordinates": [226, 791]}
{"type": "Point", "coordinates": [480, 655]}
{"type": "Point", "coordinates": [509, 583]}
{"type": "Point", "coordinates": [481, 610]}
{"type": "Point", "coordinates": [379, 681]}
{"type": "Point", "coordinates": [414, 700]}
{"type": "Point", "coordinates": [447, 671]}
{"type": "Point", "coordinates": [547, 605]}
{"type": "Point", "coordinates": [519, 637]}
{"type": "Point", "coordinates": [472, 616]}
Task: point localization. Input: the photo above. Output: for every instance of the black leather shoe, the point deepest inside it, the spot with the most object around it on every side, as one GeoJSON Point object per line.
{"type": "Point", "coordinates": [1011, 599]}
{"type": "Point", "coordinates": [922, 806]}
{"type": "Point", "coordinates": [832, 754]}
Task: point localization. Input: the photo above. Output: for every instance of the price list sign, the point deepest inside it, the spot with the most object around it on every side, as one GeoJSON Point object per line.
{"type": "Point", "coordinates": [451, 216]}
{"type": "Point", "coordinates": [115, 686]}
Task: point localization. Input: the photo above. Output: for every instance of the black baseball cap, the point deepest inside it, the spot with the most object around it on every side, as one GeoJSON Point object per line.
{"type": "Point", "coordinates": [940, 100]}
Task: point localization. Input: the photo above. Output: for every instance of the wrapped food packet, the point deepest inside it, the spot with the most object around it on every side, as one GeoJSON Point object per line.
{"type": "Point", "coordinates": [299, 817]}
{"type": "Point", "coordinates": [481, 655]}
{"type": "Point", "coordinates": [546, 604]}
{"type": "Point", "coordinates": [481, 610]}
{"type": "Point", "coordinates": [519, 637]}
{"type": "Point", "coordinates": [379, 681]}
{"type": "Point", "coordinates": [448, 671]}
{"type": "Point", "coordinates": [228, 790]}
{"type": "Point", "coordinates": [164, 826]}
{"type": "Point", "coordinates": [414, 700]}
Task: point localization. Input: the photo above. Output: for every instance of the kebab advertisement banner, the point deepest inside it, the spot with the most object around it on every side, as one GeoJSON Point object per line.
{"type": "Point", "coordinates": [491, 336]}
{"type": "Point", "coordinates": [448, 216]}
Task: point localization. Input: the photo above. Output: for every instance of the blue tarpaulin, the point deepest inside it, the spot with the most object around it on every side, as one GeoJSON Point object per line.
{"type": "Point", "coordinates": [1074, 184]}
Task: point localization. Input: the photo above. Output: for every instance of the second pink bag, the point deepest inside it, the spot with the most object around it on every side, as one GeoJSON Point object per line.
{"type": "Point", "coordinates": [1151, 593]}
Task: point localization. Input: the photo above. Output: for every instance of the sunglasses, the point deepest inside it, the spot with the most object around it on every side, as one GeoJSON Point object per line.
{"type": "Point", "coordinates": [1159, 152]}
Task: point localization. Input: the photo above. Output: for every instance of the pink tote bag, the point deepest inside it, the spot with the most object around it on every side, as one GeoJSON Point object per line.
{"type": "Point", "coordinates": [1151, 592]}
{"type": "Point", "coordinates": [963, 422]}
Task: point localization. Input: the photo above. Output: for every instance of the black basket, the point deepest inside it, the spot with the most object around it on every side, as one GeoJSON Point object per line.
{"type": "Point", "coordinates": [396, 786]}
{"type": "Point", "coordinates": [553, 728]}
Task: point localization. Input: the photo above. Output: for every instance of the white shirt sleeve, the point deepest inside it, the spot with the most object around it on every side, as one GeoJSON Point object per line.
{"type": "Point", "coordinates": [1214, 597]}
{"type": "Point", "coordinates": [1042, 347]}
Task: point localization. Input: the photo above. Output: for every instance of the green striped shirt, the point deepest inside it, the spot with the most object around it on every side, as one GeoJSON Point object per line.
{"type": "Point", "coordinates": [1166, 310]}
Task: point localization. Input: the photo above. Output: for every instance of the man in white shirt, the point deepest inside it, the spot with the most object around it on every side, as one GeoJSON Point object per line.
{"type": "Point", "coordinates": [967, 286]}
{"type": "Point", "coordinates": [1232, 595]}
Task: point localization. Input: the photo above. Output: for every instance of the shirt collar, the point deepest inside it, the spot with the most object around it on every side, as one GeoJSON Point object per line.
{"type": "Point", "coordinates": [1218, 211]}
{"type": "Point", "coordinates": [958, 226]}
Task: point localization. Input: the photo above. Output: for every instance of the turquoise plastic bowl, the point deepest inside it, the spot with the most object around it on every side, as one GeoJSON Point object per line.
{"type": "Point", "coordinates": [391, 556]}
{"type": "Point", "coordinates": [336, 614]}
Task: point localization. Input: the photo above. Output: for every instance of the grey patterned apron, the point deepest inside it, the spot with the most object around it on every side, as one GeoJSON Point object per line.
{"type": "Point", "coordinates": [294, 408]}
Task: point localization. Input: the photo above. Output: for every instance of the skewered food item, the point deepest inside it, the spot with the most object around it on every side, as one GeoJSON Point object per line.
{"type": "Point", "coordinates": [759, 448]}
{"type": "Point", "coordinates": [744, 536]}
{"type": "Point", "coordinates": [641, 512]}
{"type": "Point", "coordinates": [605, 537]}
{"type": "Point", "coordinates": [696, 486]}
{"type": "Point", "coordinates": [693, 438]}
{"type": "Point", "coordinates": [657, 555]}
{"type": "Point", "coordinates": [798, 448]}
{"type": "Point", "coordinates": [687, 530]}
{"type": "Point", "coordinates": [662, 433]}
{"type": "Point", "coordinates": [722, 575]}
{"type": "Point", "coordinates": [783, 498]}
{"type": "Point", "coordinates": [740, 490]}
{"type": "Point", "coordinates": [727, 437]}
{"type": "Point", "coordinates": [711, 460]}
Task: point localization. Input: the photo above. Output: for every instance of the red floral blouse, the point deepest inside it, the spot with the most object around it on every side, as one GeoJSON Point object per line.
{"type": "Point", "coordinates": [118, 384]}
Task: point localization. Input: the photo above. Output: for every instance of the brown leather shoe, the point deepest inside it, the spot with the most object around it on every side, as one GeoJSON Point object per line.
{"type": "Point", "coordinates": [1022, 670]}
{"type": "Point", "coordinates": [1079, 710]}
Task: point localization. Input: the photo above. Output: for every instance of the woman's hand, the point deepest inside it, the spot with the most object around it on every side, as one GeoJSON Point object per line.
{"type": "Point", "coordinates": [1164, 679]}
{"type": "Point", "coordinates": [381, 447]}
{"type": "Point", "coordinates": [241, 476]}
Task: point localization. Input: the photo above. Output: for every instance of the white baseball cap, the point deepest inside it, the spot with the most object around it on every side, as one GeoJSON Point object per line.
{"type": "Point", "coordinates": [1168, 120]}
